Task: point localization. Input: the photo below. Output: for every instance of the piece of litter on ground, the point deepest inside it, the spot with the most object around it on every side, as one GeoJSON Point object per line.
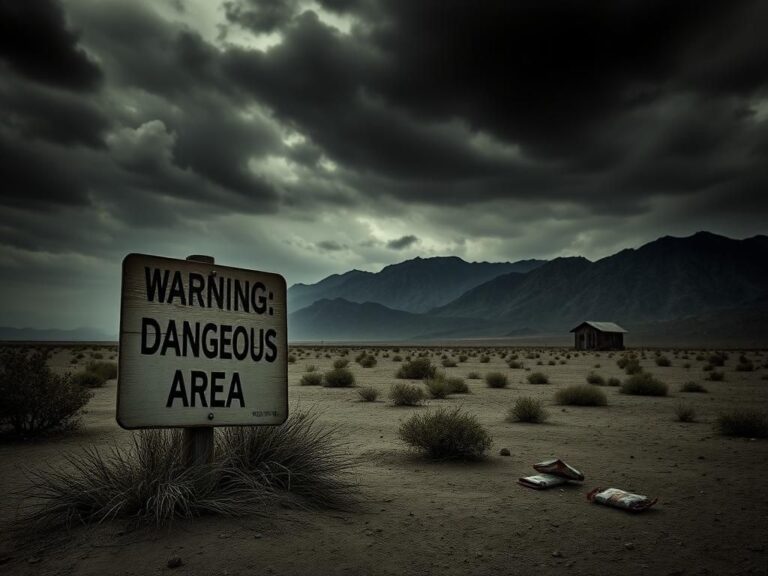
{"type": "Point", "coordinates": [621, 499]}
{"type": "Point", "coordinates": [557, 467]}
{"type": "Point", "coordinates": [541, 481]}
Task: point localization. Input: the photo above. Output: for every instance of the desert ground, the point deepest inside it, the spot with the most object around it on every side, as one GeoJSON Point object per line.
{"type": "Point", "coordinates": [421, 517]}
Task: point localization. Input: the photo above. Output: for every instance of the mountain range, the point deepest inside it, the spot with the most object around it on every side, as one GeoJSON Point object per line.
{"type": "Point", "coordinates": [687, 286]}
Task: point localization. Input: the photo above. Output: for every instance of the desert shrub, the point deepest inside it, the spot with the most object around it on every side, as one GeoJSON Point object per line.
{"type": "Point", "coordinates": [448, 363]}
{"type": "Point", "coordinates": [692, 387]}
{"type": "Point", "coordinates": [339, 378]}
{"type": "Point", "coordinates": [88, 379]}
{"type": "Point", "coordinates": [685, 413]}
{"type": "Point", "coordinates": [417, 369]}
{"type": "Point", "coordinates": [80, 356]}
{"type": "Point", "coordinates": [745, 365]}
{"type": "Point", "coordinates": [633, 367]}
{"type": "Point", "coordinates": [291, 359]}
{"type": "Point", "coordinates": [462, 358]}
{"type": "Point", "coordinates": [310, 368]}
{"type": "Point", "coordinates": [105, 370]}
{"type": "Point", "coordinates": [746, 423]}
{"type": "Point", "coordinates": [402, 394]}
{"type": "Point", "coordinates": [596, 379]}
{"type": "Point", "coordinates": [515, 365]}
{"type": "Point", "coordinates": [368, 361]}
{"type": "Point", "coordinates": [446, 434]}
{"type": "Point", "coordinates": [485, 359]}
{"type": "Point", "coordinates": [716, 376]}
{"type": "Point", "coordinates": [73, 361]}
{"type": "Point", "coordinates": [644, 384]}
{"type": "Point", "coordinates": [527, 409]}
{"type": "Point", "coordinates": [34, 399]}
{"type": "Point", "coordinates": [496, 380]}
{"type": "Point", "coordinates": [437, 387]}
{"type": "Point", "coordinates": [581, 395]}
{"type": "Point", "coordinates": [340, 363]}
{"type": "Point", "coordinates": [717, 359]}
{"type": "Point", "coordinates": [311, 379]}
{"type": "Point", "coordinates": [473, 376]}
{"type": "Point", "coordinates": [613, 381]}
{"type": "Point", "coordinates": [457, 385]}
{"type": "Point", "coordinates": [596, 366]}
{"type": "Point", "coordinates": [537, 378]}
{"type": "Point", "coordinates": [97, 356]}
{"type": "Point", "coordinates": [663, 361]}
{"type": "Point", "coordinates": [298, 463]}
{"type": "Point", "coordinates": [368, 394]}
{"type": "Point", "coordinates": [397, 358]}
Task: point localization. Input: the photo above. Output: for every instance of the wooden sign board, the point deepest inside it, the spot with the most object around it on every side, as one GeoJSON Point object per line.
{"type": "Point", "coordinates": [201, 345]}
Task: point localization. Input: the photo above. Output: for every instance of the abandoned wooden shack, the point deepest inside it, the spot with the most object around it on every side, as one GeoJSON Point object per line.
{"type": "Point", "coordinates": [599, 336]}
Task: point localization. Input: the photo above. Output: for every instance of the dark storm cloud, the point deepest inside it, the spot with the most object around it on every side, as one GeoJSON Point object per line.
{"type": "Point", "coordinates": [402, 243]}
{"type": "Point", "coordinates": [36, 43]}
{"type": "Point", "coordinates": [260, 16]}
{"type": "Point", "coordinates": [330, 246]}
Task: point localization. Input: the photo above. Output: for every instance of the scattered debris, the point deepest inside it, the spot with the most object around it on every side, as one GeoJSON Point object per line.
{"type": "Point", "coordinates": [621, 499]}
{"type": "Point", "coordinates": [541, 481]}
{"type": "Point", "coordinates": [553, 472]}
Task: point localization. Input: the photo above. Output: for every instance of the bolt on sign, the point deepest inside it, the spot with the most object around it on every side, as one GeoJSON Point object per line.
{"type": "Point", "coordinates": [201, 345]}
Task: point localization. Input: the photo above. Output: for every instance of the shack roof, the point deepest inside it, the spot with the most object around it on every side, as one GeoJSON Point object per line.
{"type": "Point", "coordinates": [602, 327]}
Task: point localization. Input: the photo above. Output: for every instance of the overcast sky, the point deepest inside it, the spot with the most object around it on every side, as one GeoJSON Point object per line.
{"type": "Point", "coordinates": [309, 138]}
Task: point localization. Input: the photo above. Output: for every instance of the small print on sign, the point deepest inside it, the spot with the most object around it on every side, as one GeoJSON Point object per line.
{"type": "Point", "coordinates": [201, 345]}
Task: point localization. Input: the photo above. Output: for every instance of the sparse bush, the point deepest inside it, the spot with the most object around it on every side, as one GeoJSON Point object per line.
{"type": "Point", "coordinates": [745, 365]}
{"type": "Point", "coordinates": [34, 399]}
{"type": "Point", "coordinates": [692, 387]}
{"type": "Point", "coordinates": [485, 359]}
{"type": "Point", "coordinates": [717, 359]}
{"type": "Point", "coordinates": [685, 413]}
{"type": "Point", "coordinates": [368, 394]}
{"type": "Point", "coordinates": [446, 434]}
{"type": "Point", "coordinates": [515, 365]}
{"type": "Point", "coordinates": [437, 387]}
{"type": "Point", "coordinates": [538, 378]}
{"type": "Point", "coordinates": [297, 463]}
{"type": "Point", "coordinates": [457, 385]}
{"type": "Point", "coordinates": [595, 379]}
{"type": "Point", "coordinates": [88, 379]}
{"type": "Point", "coordinates": [496, 380]}
{"type": "Point", "coordinates": [613, 381]}
{"type": "Point", "coordinates": [311, 379]}
{"type": "Point", "coordinates": [745, 423]}
{"type": "Point", "coordinates": [403, 394]}
{"type": "Point", "coordinates": [527, 409]}
{"type": "Point", "coordinates": [368, 361]}
{"type": "Point", "coordinates": [716, 376]}
{"type": "Point", "coordinates": [397, 358]}
{"type": "Point", "coordinates": [105, 370]}
{"type": "Point", "coordinates": [462, 358]}
{"type": "Point", "coordinates": [633, 367]}
{"type": "Point", "coordinates": [448, 363]}
{"type": "Point", "coordinates": [340, 363]}
{"type": "Point", "coordinates": [310, 368]}
{"type": "Point", "coordinates": [581, 395]}
{"type": "Point", "coordinates": [291, 359]}
{"type": "Point", "coordinates": [644, 384]}
{"type": "Point", "coordinates": [663, 361]}
{"type": "Point", "coordinates": [339, 378]}
{"type": "Point", "coordinates": [417, 369]}
{"type": "Point", "coordinates": [473, 376]}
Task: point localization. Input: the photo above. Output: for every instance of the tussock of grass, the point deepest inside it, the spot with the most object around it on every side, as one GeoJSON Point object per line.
{"type": "Point", "coordinates": [298, 462]}
{"type": "Point", "coordinates": [715, 376]}
{"type": "Point", "coordinates": [663, 361]}
{"type": "Point", "coordinates": [643, 384]}
{"type": "Point", "coordinates": [457, 385]}
{"type": "Point", "coordinates": [473, 376]}
{"type": "Point", "coordinates": [402, 394]}
{"type": "Point", "coordinates": [446, 434]}
{"type": "Point", "coordinates": [368, 394]}
{"type": "Point", "coordinates": [88, 379]}
{"type": "Point", "coordinates": [527, 409]}
{"type": "Point", "coordinates": [595, 379]}
{"type": "Point", "coordinates": [496, 380]}
{"type": "Point", "coordinates": [339, 378]}
{"type": "Point", "coordinates": [438, 387]}
{"type": "Point", "coordinates": [417, 369]}
{"type": "Point", "coordinates": [685, 413]}
{"type": "Point", "coordinates": [105, 370]}
{"type": "Point", "coordinates": [581, 395]}
{"type": "Point", "coordinates": [745, 423]}
{"type": "Point", "coordinates": [692, 387]}
{"type": "Point", "coordinates": [340, 363]}
{"type": "Point", "coordinates": [538, 378]}
{"type": "Point", "coordinates": [311, 379]}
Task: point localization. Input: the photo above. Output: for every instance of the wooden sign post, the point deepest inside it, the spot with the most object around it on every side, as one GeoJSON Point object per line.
{"type": "Point", "coordinates": [201, 345]}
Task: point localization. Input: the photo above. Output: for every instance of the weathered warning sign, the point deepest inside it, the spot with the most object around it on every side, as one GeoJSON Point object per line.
{"type": "Point", "coordinates": [201, 345]}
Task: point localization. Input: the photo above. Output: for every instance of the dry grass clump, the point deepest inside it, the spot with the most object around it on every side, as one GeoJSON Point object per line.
{"type": "Point", "coordinates": [366, 360]}
{"type": "Point", "coordinates": [692, 387]}
{"type": "Point", "coordinates": [685, 413]}
{"type": "Point", "coordinates": [581, 395]}
{"type": "Point", "coordinates": [105, 370]}
{"type": "Point", "coordinates": [595, 379]}
{"type": "Point", "coordinates": [339, 378]}
{"type": "Point", "coordinates": [417, 369]}
{"type": "Point", "coordinates": [613, 381]}
{"type": "Point", "coordinates": [446, 434]}
{"type": "Point", "coordinates": [745, 423]}
{"type": "Point", "coordinates": [496, 380]}
{"type": "Point", "coordinates": [438, 387]}
{"type": "Point", "coordinates": [715, 376]}
{"type": "Point", "coordinates": [340, 363]}
{"type": "Point", "coordinates": [298, 463]}
{"type": "Point", "coordinates": [663, 361]}
{"type": "Point", "coordinates": [538, 378]}
{"type": "Point", "coordinates": [457, 385]}
{"type": "Point", "coordinates": [88, 380]}
{"type": "Point", "coordinates": [402, 394]}
{"type": "Point", "coordinates": [368, 394]}
{"type": "Point", "coordinates": [311, 379]}
{"type": "Point", "coordinates": [473, 376]}
{"type": "Point", "coordinates": [643, 384]}
{"type": "Point", "coordinates": [527, 409]}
